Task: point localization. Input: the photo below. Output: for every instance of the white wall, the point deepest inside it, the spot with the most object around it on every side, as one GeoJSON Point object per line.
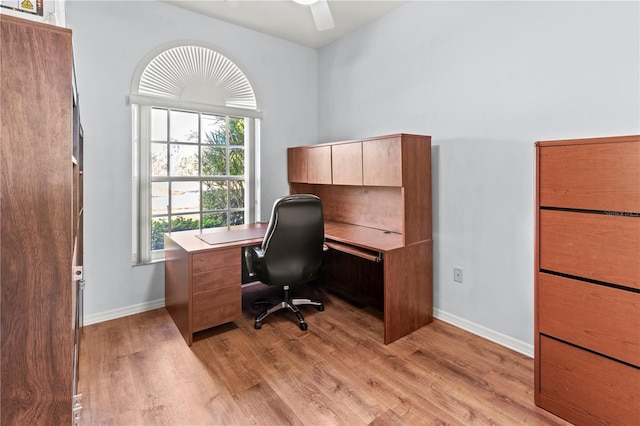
{"type": "Point", "coordinates": [486, 80]}
{"type": "Point", "coordinates": [110, 39]}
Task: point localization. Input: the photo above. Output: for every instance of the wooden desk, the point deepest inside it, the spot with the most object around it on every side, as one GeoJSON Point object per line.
{"type": "Point", "coordinates": [203, 283]}
{"type": "Point", "coordinates": [376, 197]}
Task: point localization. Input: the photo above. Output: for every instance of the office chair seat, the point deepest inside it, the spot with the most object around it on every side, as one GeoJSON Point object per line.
{"type": "Point", "coordinates": [290, 254]}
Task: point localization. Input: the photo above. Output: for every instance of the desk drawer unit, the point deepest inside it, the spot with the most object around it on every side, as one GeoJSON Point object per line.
{"type": "Point", "coordinates": [587, 295]}
{"type": "Point", "coordinates": [216, 288]}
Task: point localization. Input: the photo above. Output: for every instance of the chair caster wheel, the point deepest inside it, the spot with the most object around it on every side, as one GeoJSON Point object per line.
{"type": "Point", "coordinates": [303, 326]}
{"type": "Point", "coordinates": [257, 325]}
{"type": "Point", "coordinates": [321, 308]}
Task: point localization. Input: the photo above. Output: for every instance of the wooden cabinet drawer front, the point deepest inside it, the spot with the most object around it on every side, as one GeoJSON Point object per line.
{"type": "Point", "coordinates": [603, 176]}
{"type": "Point", "coordinates": [216, 259]}
{"type": "Point", "coordinates": [603, 319]}
{"type": "Point", "coordinates": [215, 307]}
{"type": "Point", "coordinates": [597, 387]}
{"type": "Point", "coordinates": [596, 246]}
{"type": "Point", "coordinates": [382, 162]}
{"type": "Point", "coordinates": [217, 278]}
{"type": "Point", "coordinates": [346, 163]}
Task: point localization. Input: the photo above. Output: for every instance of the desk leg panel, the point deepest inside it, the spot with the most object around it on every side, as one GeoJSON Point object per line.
{"type": "Point", "coordinates": [408, 289]}
{"type": "Point", "coordinates": [177, 287]}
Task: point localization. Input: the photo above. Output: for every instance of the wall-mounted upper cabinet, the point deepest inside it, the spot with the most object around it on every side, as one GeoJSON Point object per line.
{"type": "Point", "coordinates": [346, 163]}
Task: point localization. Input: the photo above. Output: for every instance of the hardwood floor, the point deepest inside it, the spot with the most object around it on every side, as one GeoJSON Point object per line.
{"type": "Point", "coordinates": [138, 370]}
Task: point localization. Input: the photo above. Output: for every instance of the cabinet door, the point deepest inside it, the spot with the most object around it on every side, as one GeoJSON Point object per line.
{"type": "Point", "coordinates": [319, 164]}
{"type": "Point", "coordinates": [382, 162]}
{"type": "Point", "coordinates": [297, 164]}
{"type": "Point", "coordinates": [346, 163]}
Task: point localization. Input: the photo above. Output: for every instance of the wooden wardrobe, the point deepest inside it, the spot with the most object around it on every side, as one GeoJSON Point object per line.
{"type": "Point", "coordinates": [41, 226]}
{"type": "Point", "coordinates": [587, 280]}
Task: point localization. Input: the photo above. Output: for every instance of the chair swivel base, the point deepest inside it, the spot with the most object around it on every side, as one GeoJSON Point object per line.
{"type": "Point", "coordinates": [275, 304]}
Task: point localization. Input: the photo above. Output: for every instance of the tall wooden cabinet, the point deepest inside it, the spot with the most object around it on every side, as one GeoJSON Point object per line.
{"type": "Point", "coordinates": [40, 215]}
{"type": "Point", "coordinates": [587, 280]}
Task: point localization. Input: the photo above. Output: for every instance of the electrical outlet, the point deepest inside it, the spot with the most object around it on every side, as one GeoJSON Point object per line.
{"type": "Point", "coordinates": [457, 275]}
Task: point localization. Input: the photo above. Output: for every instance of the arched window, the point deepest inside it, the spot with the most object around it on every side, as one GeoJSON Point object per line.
{"type": "Point", "coordinates": [195, 133]}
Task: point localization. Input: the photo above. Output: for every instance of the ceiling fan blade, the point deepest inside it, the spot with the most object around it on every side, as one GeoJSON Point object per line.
{"type": "Point", "coordinates": [322, 15]}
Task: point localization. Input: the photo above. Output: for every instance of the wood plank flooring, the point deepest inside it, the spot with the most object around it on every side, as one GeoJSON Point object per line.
{"type": "Point", "coordinates": [138, 370]}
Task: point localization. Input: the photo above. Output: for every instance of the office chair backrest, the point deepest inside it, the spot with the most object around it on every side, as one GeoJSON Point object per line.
{"type": "Point", "coordinates": [293, 241]}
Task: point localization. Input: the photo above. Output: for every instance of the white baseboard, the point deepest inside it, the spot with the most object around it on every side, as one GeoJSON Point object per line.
{"type": "Point", "coordinates": [484, 332]}
{"type": "Point", "coordinates": [122, 312]}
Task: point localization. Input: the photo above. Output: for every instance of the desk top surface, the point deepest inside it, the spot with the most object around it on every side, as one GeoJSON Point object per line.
{"type": "Point", "coordinates": [360, 236]}
{"type": "Point", "coordinates": [190, 241]}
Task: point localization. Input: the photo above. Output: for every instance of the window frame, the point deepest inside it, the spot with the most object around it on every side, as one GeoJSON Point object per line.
{"type": "Point", "coordinates": [142, 175]}
{"type": "Point", "coordinates": [148, 90]}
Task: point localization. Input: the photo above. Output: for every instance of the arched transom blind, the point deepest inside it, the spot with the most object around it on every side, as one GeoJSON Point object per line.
{"type": "Point", "coordinates": [197, 74]}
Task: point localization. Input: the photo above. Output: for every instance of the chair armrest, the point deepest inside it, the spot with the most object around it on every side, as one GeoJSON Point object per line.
{"type": "Point", "coordinates": [249, 253]}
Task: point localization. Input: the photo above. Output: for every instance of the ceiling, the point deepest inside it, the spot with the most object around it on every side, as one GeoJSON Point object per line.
{"type": "Point", "coordinates": [292, 21]}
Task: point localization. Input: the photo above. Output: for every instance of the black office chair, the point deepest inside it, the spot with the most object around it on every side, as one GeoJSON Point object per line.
{"type": "Point", "coordinates": [290, 254]}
